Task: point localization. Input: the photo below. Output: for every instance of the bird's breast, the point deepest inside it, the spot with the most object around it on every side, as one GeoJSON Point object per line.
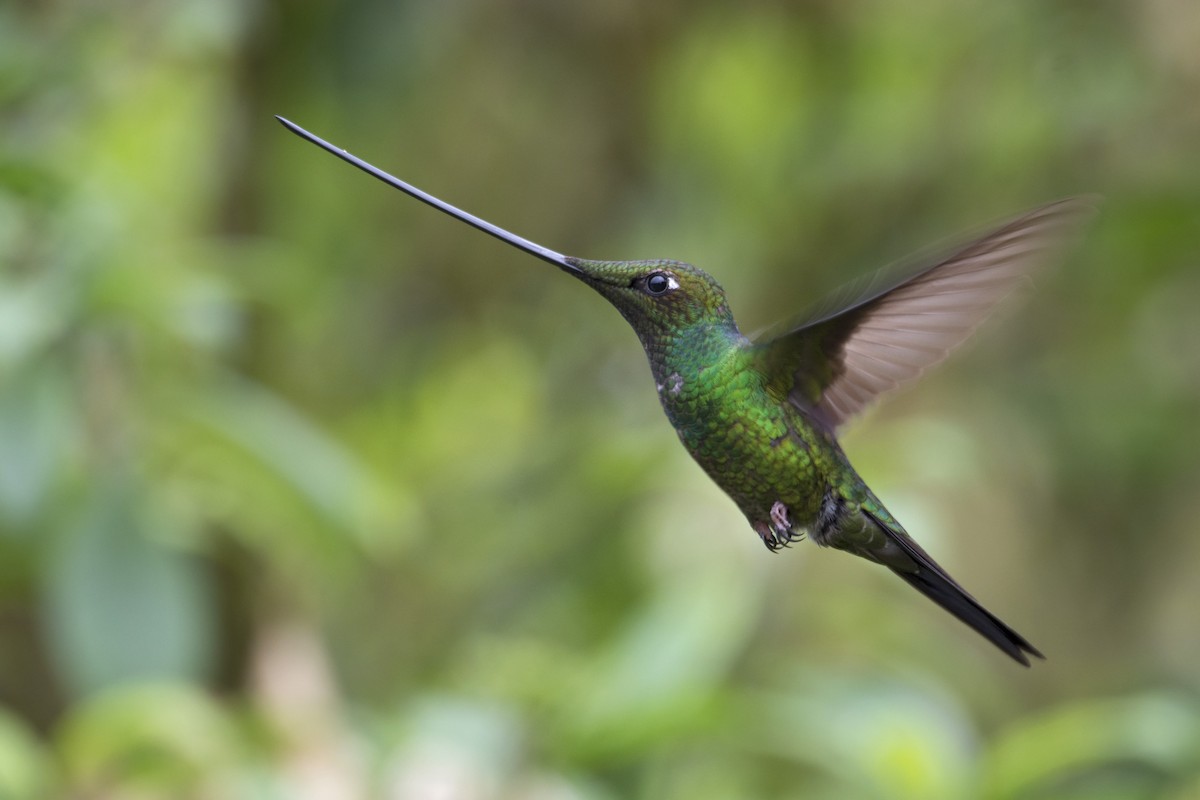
{"type": "Point", "coordinates": [760, 452]}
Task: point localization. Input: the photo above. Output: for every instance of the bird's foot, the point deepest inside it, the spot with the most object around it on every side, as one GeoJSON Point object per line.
{"type": "Point", "coordinates": [779, 517]}
{"type": "Point", "coordinates": [778, 533]}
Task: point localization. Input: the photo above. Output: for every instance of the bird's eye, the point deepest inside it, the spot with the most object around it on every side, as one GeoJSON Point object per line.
{"type": "Point", "coordinates": [659, 284]}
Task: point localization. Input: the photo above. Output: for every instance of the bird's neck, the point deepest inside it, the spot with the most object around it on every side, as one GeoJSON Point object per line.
{"type": "Point", "coordinates": [684, 355]}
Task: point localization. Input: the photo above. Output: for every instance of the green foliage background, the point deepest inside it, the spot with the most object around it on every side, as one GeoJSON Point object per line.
{"type": "Point", "coordinates": [307, 491]}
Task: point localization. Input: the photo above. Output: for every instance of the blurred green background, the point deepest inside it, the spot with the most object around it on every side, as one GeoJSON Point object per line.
{"type": "Point", "coordinates": [308, 491]}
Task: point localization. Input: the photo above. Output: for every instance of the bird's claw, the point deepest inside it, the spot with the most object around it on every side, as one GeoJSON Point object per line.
{"type": "Point", "coordinates": [778, 533]}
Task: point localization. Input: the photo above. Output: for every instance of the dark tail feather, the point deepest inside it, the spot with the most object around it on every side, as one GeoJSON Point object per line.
{"type": "Point", "coordinates": [950, 596]}
{"type": "Point", "coordinates": [932, 581]}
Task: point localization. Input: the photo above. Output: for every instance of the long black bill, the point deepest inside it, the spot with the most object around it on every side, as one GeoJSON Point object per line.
{"type": "Point", "coordinates": [557, 259]}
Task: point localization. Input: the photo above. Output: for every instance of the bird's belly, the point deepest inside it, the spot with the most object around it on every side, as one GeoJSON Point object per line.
{"type": "Point", "coordinates": [761, 460]}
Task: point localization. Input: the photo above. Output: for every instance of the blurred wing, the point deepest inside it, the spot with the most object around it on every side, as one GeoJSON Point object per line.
{"type": "Point", "coordinates": [882, 338]}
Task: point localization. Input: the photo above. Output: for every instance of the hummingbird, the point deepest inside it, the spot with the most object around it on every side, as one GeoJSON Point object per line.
{"type": "Point", "coordinates": [761, 417]}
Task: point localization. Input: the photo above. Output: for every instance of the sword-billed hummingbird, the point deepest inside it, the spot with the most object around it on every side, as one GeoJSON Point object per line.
{"type": "Point", "coordinates": [761, 417]}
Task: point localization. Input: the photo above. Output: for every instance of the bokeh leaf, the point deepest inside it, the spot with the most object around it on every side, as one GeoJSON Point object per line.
{"type": "Point", "coordinates": [26, 768]}
{"type": "Point", "coordinates": [151, 740]}
{"type": "Point", "coordinates": [121, 606]}
{"type": "Point", "coordinates": [1149, 738]}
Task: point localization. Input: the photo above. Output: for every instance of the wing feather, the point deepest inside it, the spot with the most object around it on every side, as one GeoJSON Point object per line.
{"type": "Point", "coordinates": [883, 339]}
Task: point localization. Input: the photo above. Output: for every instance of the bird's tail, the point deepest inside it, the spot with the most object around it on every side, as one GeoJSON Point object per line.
{"type": "Point", "coordinates": [932, 581]}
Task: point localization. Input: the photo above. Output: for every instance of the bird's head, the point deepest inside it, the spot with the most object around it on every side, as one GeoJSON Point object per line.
{"type": "Point", "coordinates": [656, 297]}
